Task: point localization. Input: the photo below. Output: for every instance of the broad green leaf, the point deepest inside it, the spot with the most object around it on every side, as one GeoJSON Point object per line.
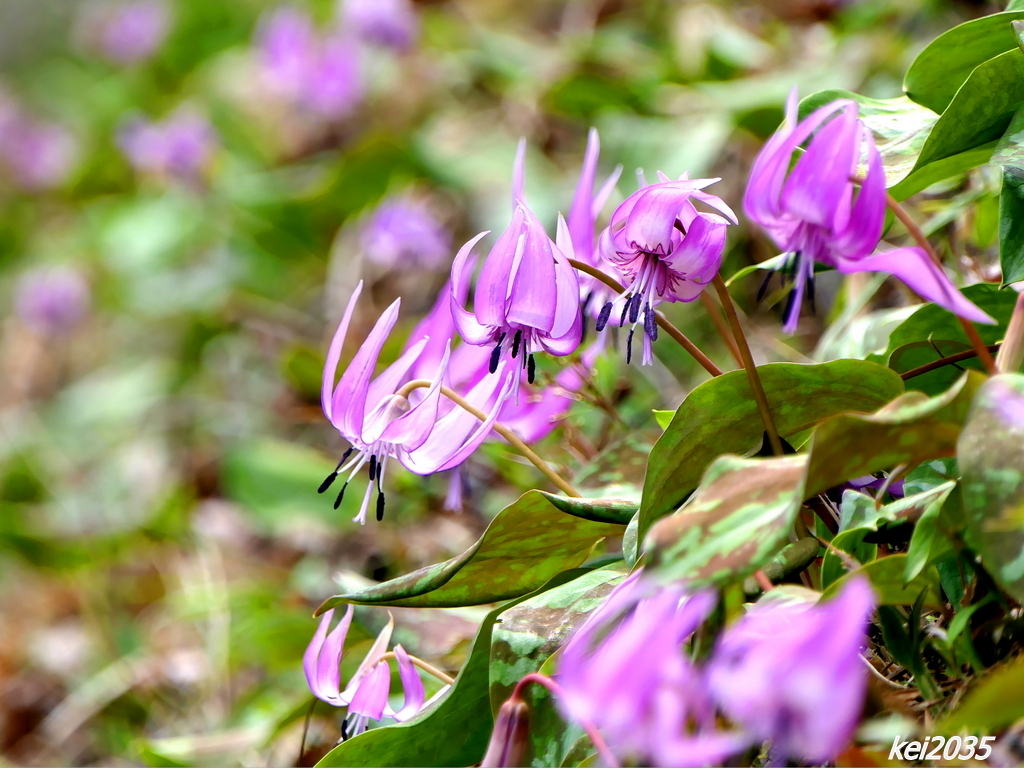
{"type": "Point", "coordinates": [852, 542]}
{"type": "Point", "coordinates": [911, 429]}
{"type": "Point", "coordinates": [1011, 225]}
{"type": "Point", "coordinates": [939, 71]}
{"type": "Point", "coordinates": [899, 125]}
{"type": "Point", "coordinates": [720, 416]}
{"type": "Point", "coordinates": [526, 544]}
{"type": "Point", "coordinates": [940, 170]}
{"type": "Point", "coordinates": [931, 474]}
{"type": "Point", "coordinates": [664, 418]}
{"type": "Point", "coordinates": [886, 576]}
{"type": "Point", "coordinates": [454, 731]}
{"type": "Point", "coordinates": [932, 531]}
{"type": "Point", "coordinates": [933, 322]}
{"type": "Point", "coordinates": [526, 637]}
{"type": "Point", "coordinates": [981, 109]}
{"type": "Point", "coordinates": [738, 519]}
{"type": "Point", "coordinates": [1009, 150]}
{"type": "Point", "coordinates": [991, 456]}
{"type": "Point", "coordinates": [919, 353]}
{"type": "Point", "coordinates": [995, 702]}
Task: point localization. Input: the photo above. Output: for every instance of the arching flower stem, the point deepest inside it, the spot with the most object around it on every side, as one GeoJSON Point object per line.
{"type": "Point", "coordinates": [595, 737]}
{"type": "Point", "coordinates": [663, 323]}
{"type": "Point", "coordinates": [501, 429]}
{"type": "Point", "coordinates": [721, 326]}
{"type": "Point", "coordinates": [748, 365]}
{"type": "Point", "coordinates": [427, 667]}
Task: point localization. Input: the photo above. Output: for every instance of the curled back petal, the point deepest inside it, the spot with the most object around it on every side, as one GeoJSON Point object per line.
{"type": "Point", "coordinates": [468, 326]}
{"type": "Point", "coordinates": [411, 684]}
{"type": "Point", "coordinates": [581, 215]}
{"type": "Point", "coordinates": [370, 697]}
{"type": "Point", "coordinates": [490, 300]}
{"type": "Point", "coordinates": [334, 355]}
{"type": "Point", "coordinates": [532, 300]}
{"type": "Point", "coordinates": [863, 230]}
{"type": "Point", "coordinates": [378, 649]}
{"type": "Point", "coordinates": [412, 428]}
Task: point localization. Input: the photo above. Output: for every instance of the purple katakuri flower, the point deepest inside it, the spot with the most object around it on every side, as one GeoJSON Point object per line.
{"type": "Point", "coordinates": [40, 155]}
{"type": "Point", "coordinates": [665, 249]}
{"type": "Point", "coordinates": [380, 424]}
{"type": "Point", "coordinates": [389, 23]}
{"type": "Point", "coordinates": [527, 297]}
{"type": "Point", "coordinates": [131, 32]}
{"type": "Point", "coordinates": [626, 671]}
{"type": "Point", "coordinates": [583, 213]}
{"type": "Point", "coordinates": [792, 673]}
{"type": "Point", "coordinates": [52, 301]}
{"type": "Point", "coordinates": [321, 73]}
{"type": "Point", "coordinates": [403, 233]}
{"type": "Point", "coordinates": [815, 212]}
{"type": "Point", "coordinates": [180, 146]}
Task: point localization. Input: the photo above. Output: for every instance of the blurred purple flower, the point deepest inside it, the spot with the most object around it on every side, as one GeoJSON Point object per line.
{"type": "Point", "coordinates": [527, 296]}
{"type": "Point", "coordinates": [132, 31]}
{"type": "Point", "coordinates": [52, 301]}
{"type": "Point", "coordinates": [402, 233]}
{"type": "Point", "coordinates": [180, 146]}
{"type": "Point", "coordinates": [626, 671]}
{"type": "Point", "coordinates": [792, 673]}
{"type": "Point", "coordinates": [390, 23]}
{"type": "Point", "coordinates": [380, 424]}
{"type": "Point", "coordinates": [665, 249]}
{"type": "Point", "coordinates": [814, 212]}
{"type": "Point", "coordinates": [366, 694]}
{"type": "Point", "coordinates": [317, 72]}
{"type": "Point", "coordinates": [40, 155]}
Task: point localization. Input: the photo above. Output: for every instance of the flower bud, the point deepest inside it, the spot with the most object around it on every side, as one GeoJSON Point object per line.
{"type": "Point", "coordinates": [510, 736]}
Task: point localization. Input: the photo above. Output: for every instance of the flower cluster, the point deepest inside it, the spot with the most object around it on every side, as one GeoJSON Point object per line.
{"type": "Point", "coordinates": [788, 672]}
{"type": "Point", "coordinates": [181, 146]}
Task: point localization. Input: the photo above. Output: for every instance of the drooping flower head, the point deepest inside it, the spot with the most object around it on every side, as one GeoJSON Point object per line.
{"type": "Point", "coordinates": [381, 423]}
{"type": "Point", "coordinates": [626, 671]}
{"type": "Point", "coordinates": [527, 297]}
{"type": "Point", "coordinates": [180, 146]}
{"type": "Point", "coordinates": [664, 248]}
{"type": "Point", "coordinates": [52, 301]}
{"type": "Point", "coordinates": [791, 673]}
{"type": "Point", "coordinates": [403, 233]}
{"type": "Point", "coordinates": [389, 23]}
{"type": "Point", "coordinates": [829, 207]}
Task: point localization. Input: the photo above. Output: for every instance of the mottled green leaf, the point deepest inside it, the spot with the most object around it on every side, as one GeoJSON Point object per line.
{"type": "Point", "coordinates": [946, 63]}
{"type": "Point", "coordinates": [525, 545]}
{"type": "Point", "coordinates": [911, 429]}
{"type": "Point", "coordinates": [720, 416]}
{"type": "Point", "coordinates": [886, 576]}
{"type": "Point", "coordinates": [454, 731]}
{"type": "Point", "coordinates": [900, 127]}
{"type": "Point", "coordinates": [991, 456]}
{"type": "Point", "coordinates": [919, 353]}
{"type": "Point", "coordinates": [617, 511]}
{"type": "Point", "coordinates": [526, 637]}
{"type": "Point", "coordinates": [981, 110]}
{"type": "Point", "coordinates": [995, 702]}
{"type": "Point", "coordinates": [738, 519]}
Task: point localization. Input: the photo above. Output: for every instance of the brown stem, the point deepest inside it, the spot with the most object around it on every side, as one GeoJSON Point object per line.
{"type": "Point", "coordinates": [427, 667]}
{"type": "Point", "coordinates": [595, 737]}
{"type": "Point", "coordinates": [945, 361]}
{"type": "Point", "coordinates": [720, 326]}
{"type": "Point", "coordinates": [501, 429]}
{"type": "Point", "coordinates": [1011, 355]}
{"type": "Point", "coordinates": [763, 581]}
{"type": "Point", "coordinates": [748, 365]}
{"type": "Point", "coordinates": [663, 323]}
{"type": "Point", "coordinates": [915, 232]}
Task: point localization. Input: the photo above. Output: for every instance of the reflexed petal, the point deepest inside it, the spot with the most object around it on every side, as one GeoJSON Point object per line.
{"type": "Point", "coordinates": [411, 429]}
{"type": "Point", "coordinates": [567, 289]}
{"type": "Point", "coordinates": [683, 188]}
{"type": "Point", "coordinates": [519, 173]}
{"type": "Point", "coordinates": [914, 267]}
{"type": "Point", "coordinates": [581, 215]}
{"type": "Point", "coordinates": [322, 659]}
{"type": "Point", "coordinates": [411, 683]}
{"type": "Point", "coordinates": [392, 377]}
{"type": "Point", "coordinates": [350, 396]}
{"type": "Point", "coordinates": [532, 301]}
{"type": "Point", "coordinates": [378, 649]}
{"type": "Point", "coordinates": [371, 696]}
{"type": "Point", "coordinates": [492, 288]}
{"type": "Point", "coordinates": [699, 255]}
{"type": "Point", "coordinates": [862, 232]}
{"type": "Point", "coordinates": [469, 328]}
{"type": "Point", "coordinates": [334, 354]}
{"type": "Point", "coordinates": [651, 223]}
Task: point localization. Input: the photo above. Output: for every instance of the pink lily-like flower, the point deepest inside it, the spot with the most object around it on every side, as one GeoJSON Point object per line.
{"type": "Point", "coordinates": [366, 694]}
{"type": "Point", "coordinates": [380, 424]}
{"type": "Point", "coordinates": [815, 212]}
{"type": "Point", "coordinates": [665, 249]}
{"type": "Point", "coordinates": [527, 296]}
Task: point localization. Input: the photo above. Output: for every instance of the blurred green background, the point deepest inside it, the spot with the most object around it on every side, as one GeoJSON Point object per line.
{"type": "Point", "coordinates": [167, 299]}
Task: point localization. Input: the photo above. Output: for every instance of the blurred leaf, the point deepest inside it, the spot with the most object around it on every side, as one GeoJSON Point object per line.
{"type": "Point", "coordinates": [996, 701]}
{"type": "Point", "coordinates": [991, 456]}
{"type": "Point", "coordinates": [792, 559]}
{"type": "Point", "coordinates": [946, 63]}
{"type": "Point", "coordinates": [930, 474]}
{"type": "Point", "coordinates": [931, 540]}
{"type": "Point", "coordinates": [933, 322]}
{"type": "Point", "coordinates": [526, 544]}
{"type": "Point", "coordinates": [940, 170]}
{"type": "Point", "coordinates": [981, 109]}
{"type": "Point", "coordinates": [526, 637]}
{"type": "Point", "coordinates": [1011, 226]}
{"type": "Point", "coordinates": [720, 416]}
{"type": "Point", "coordinates": [919, 353]}
{"type": "Point", "coordinates": [886, 576]}
{"type": "Point", "coordinates": [852, 542]}
{"type": "Point", "coordinates": [736, 522]}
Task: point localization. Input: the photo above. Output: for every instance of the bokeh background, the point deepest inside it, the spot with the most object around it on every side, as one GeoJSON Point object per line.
{"type": "Point", "coordinates": [189, 191]}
